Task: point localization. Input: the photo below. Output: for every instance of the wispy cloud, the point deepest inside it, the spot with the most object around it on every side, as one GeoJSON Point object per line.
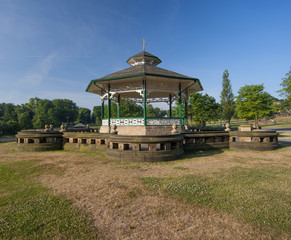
{"type": "Point", "coordinates": [39, 72]}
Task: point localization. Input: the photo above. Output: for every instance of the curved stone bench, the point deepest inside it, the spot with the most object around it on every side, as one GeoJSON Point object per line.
{"type": "Point", "coordinates": [259, 140]}
{"type": "Point", "coordinates": [37, 141]}
{"type": "Point", "coordinates": [145, 148]}
{"type": "Point", "coordinates": [84, 141]}
{"type": "Point", "coordinates": [206, 140]}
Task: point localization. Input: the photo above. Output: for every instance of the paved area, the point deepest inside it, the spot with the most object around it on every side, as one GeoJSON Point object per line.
{"type": "Point", "coordinates": [7, 139]}
{"type": "Point", "coordinates": [286, 139]}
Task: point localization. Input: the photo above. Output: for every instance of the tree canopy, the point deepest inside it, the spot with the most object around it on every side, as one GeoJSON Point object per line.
{"type": "Point", "coordinates": [65, 110]}
{"type": "Point", "coordinates": [253, 103]}
{"type": "Point", "coordinates": [84, 116]}
{"type": "Point", "coordinates": [96, 115]}
{"type": "Point", "coordinates": [227, 98]}
{"type": "Point", "coordinates": [202, 108]}
{"type": "Point", "coordinates": [286, 88]}
{"type": "Point", "coordinates": [37, 113]}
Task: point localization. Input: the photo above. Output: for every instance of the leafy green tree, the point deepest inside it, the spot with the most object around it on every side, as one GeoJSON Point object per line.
{"type": "Point", "coordinates": [130, 109]}
{"type": "Point", "coordinates": [286, 88]}
{"type": "Point", "coordinates": [159, 113]}
{"type": "Point", "coordinates": [24, 120]}
{"type": "Point", "coordinates": [151, 111]}
{"type": "Point", "coordinates": [113, 110]}
{"type": "Point", "coordinates": [202, 108]}
{"type": "Point", "coordinates": [9, 112]}
{"type": "Point", "coordinates": [8, 128]}
{"type": "Point", "coordinates": [84, 115]}
{"type": "Point", "coordinates": [2, 127]}
{"type": "Point", "coordinates": [32, 104]}
{"type": "Point", "coordinates": [12, 118]}
{"type": "Point", "coordinates": [227, 99]}
{"type": "Point", "coordinates": [1, 111]}
{"type": "Point", "coordinates": [155, 112]}
{"type": "Point", "coordinates": [65, 110]}
{"type": "Point", "coordinates": [127, 109]}
{"type": "Point", "coordinates": [13, 127]}
{"type": "Point", "coordinates": [253, 103]}
{"type": "Point", "coordinates": [24, 116]}
{"type": "Point", "coordinates": [96, 115]}
{"type": "Point", "coordinates": [44, 114]}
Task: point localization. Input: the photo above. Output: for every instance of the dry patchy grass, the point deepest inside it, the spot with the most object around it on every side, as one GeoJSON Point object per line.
{"type": "Point", "coordinates": [122, 207]}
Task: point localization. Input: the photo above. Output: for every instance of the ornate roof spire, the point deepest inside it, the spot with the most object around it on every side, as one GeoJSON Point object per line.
{"type": "Point", "coordinates": [143, 44]}
{"type": "Point", "coordinates": [143, 58]}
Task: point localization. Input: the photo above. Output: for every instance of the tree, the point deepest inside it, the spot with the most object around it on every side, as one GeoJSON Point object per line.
{"type": "Point", "coordinates": [113, 110]}
{"type": "Point", "coordinates": [96, 115]}
{"type": "Point", "coordinates": [24, 116]}
{"type": "Point", "coordinates": [9, 127]}
{"type": "Point", "coordinates": [151, 111]}
{"type": "Point", "coordinates": [130, 109]}
{"type": "Point", "coordinates": [9, 113]}
{"type": "Point", "coordinates": [253, 103]}
{"type": "Point", "coordinates": [227, 98]}
{"type": "Point", "coordinates": [127, 109]}
{"type": "Point", "coordinates": [84, 115]}
{"type": "Point", "coordinates": [65, 110]}
{"type": "Point", "coordinates": [159, 113]}
{"type": "Point", "coordinates": [202, 108]}
{"type": "Point", "coordinates": [32, 104]}
{"type": "Point", "coordinates": [286, 90]}
{"type": "Point", "coordinates": [44, 114]}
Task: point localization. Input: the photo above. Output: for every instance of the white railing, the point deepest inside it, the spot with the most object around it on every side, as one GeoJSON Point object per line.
{"type": "Point", "coordinates": [124, 122]}
{"type": "Point", "coordinates": [163, 121]}
{"type": "Point", "coordinates": [140, 121]}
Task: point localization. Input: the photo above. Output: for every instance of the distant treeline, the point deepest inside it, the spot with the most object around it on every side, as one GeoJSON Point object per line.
{"type": "Point", "coordinates": [39, 112]}
{"type": "Point", "coordinates": [251, 103]}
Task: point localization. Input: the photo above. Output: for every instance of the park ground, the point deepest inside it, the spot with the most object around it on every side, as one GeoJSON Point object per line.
{"type": "Point", "coordinates": [223, 194]}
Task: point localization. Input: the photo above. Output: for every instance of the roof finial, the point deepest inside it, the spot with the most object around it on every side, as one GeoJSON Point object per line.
{"type": "Point", "coordinates": [143, 44]}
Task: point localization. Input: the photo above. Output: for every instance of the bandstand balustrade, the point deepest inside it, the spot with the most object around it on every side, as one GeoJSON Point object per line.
{"type": "Point", "coordinates": [145, 148]}
{"type": "Point", "coordinates": [140, 121]}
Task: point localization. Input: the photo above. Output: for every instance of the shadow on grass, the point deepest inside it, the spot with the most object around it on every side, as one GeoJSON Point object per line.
{"type": "Point", "coordinates": [201, 153]}
{"type": "Point", "coordinates": [284, 144]}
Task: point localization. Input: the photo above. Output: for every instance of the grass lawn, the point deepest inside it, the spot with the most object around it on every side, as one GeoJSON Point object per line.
{"type": "Point", "coordinates": [260, 196]}
{"type": "Point", "coordinates": [227, 194]}
{"type": "Point", "coordinates": [29, 210]}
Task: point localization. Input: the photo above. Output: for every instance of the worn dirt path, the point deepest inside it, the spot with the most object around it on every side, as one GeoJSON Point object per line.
{"type": "Point", "coordinates": [121, 206]}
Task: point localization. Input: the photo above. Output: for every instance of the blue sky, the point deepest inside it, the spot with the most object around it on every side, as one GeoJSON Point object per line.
{"type": "Point", "coordinates": [52, 49]}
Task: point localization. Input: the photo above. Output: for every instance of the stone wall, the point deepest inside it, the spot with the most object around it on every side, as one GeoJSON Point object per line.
{"type": "Point", "coordinates": [84, 141]}
{"type": "Point", "coordinates": [37, 141]}
{"type": "Point", "coordinates": [145, 148]}
{"type": "Point", "coordinates": [259, 140]}
{"type": "Point", "coordinates": [139, 130]}
{"type": "Point", "coordinates": [196, 141]}
{"type": "Point", "coordinates": [151, 147]}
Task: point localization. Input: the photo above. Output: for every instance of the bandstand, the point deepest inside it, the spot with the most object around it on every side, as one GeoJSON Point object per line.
{"type": "Point", "coordinates": [145, 139]}
{"type": "Point", "coordinates": [144, 83]}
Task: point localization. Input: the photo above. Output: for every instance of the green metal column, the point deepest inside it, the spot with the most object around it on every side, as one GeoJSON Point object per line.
{"type": "Point", "coordinates": [109, 107]}
{"type": "Point", "coordinates": [144, 103]}
{"type": "Point", "coordinates": [102, 110]}
{"type": "Point", "coordinates": [118, 106]}
{"type": "Point", "coordinates": [170, 107]}
{"type": "Point", "coordinates": [186, 112]}
{"type": "Point", "coordinates": [180, 106]}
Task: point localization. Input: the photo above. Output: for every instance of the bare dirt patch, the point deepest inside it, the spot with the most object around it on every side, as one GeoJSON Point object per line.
{"type": "Point", "coordinates": [123, 208]}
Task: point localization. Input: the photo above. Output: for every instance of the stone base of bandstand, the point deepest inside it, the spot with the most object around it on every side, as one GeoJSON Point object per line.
{"type": "Point", "coordinates": [146, 143]}
{"type": "Point", "coordinates": [141, 130]}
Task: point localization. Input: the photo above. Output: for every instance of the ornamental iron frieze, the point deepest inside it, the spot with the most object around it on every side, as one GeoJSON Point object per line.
{"type": "Point", "coordinates": [168, 122]}
{"type": "Point", "coordinates": [124, 122]}
{"type": "Point", "coordinates": [140, 122]}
